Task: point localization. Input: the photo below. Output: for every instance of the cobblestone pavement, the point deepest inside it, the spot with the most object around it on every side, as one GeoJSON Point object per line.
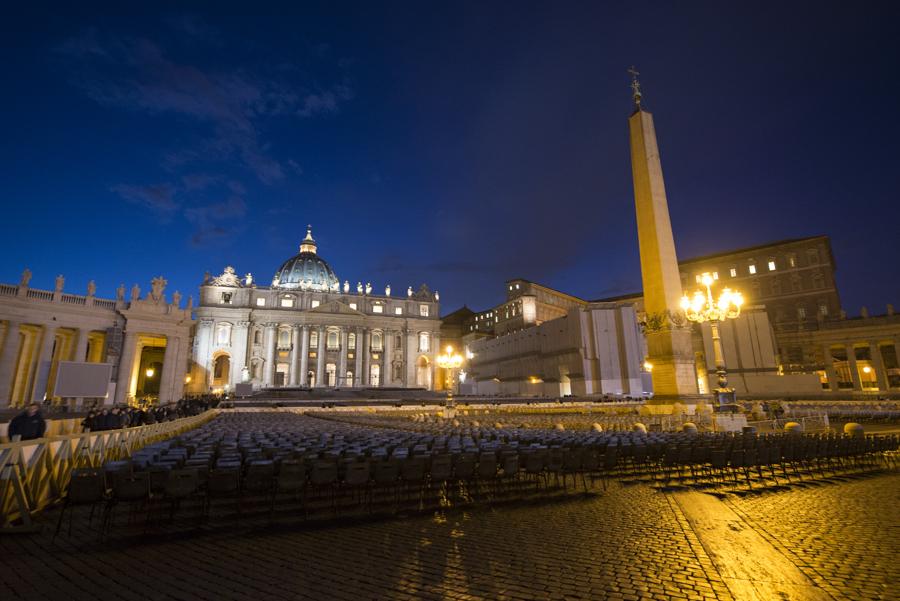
{"type": "Point", "coordinates": [631, 542]}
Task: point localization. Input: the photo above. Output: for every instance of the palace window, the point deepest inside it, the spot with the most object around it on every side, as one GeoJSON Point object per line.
{"type": "Point", "coordinates": [818, 281]}
{"type": "Point", "coordinates": [801, 312]}
{"type": "Point", "coordinates": [313, 304]}
{"type": "Point", "coordinates": [752, 269]}
{"type": "Point", "coordinates": [353, 306]}
{"type": "Point", "coordinates": [715, 275]}
{"type": "Point", "coordinates": [398, 310]}
{"type": "Point", "coordinates": [771, 264]}
{"type": "Point", "coordinates": [733, 272]}
{"type": "Point", "coordinates": [823, 309]}
{"type": "Point", "coordinates": [377, 341]}
{"type": "Point", "coordinates": [377, 308]}
{"type": "Point", "coordinates": [313, 339]}
{"type": "Point", "coordinates": [226, 298]}
{"type": "Point", "coordinates": [284, 338]}
{"type": "Point", "coordinates": [423, 309]}
{"type": "Point", "coordinates": [287, 302]}
{"type": "Point", "coordinates": [260, 302]}
{"type": "Point", "coordinates": [424, 342]}
{"type": "Point", "coordinates": [792, 260]}
{"type": "Point", "coordinates": [813, 255]}
{"type": "Point", "coordinates": [351, 341]}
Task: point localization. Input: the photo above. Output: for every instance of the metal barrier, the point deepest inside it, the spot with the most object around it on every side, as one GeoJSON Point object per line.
{"type": "Point", "coordinates": [35, 473]}
{"type": "Point", "coordinates": [810, 423]}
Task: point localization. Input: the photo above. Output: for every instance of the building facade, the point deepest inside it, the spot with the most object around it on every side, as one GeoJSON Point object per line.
{"type": "Point", "coordinates": [307, 329]}
{"type": "Point", "coordinates": [144, 341]}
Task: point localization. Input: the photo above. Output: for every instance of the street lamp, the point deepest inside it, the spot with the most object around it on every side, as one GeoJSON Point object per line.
{"type": "Point", "coordinates": [702, 308]}
{"type": "Point", "coordinates": [449, 362]}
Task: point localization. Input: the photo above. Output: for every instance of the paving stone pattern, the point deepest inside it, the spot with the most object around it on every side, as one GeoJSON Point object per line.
{"type": "Point", "coordinates": [629, 543]}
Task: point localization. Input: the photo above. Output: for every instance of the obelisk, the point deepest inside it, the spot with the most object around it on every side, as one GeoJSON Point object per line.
{"type": "Point", "coordinates": [668, 336]}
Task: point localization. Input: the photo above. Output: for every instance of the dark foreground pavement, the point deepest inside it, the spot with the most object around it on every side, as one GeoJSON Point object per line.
{"type": "Point", "coordinates": [837, 539]}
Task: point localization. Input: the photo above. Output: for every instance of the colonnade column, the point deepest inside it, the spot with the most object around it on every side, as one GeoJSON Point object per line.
{"type": "Point", "coordinates": [830, 373]}
{"type": "Point", "coordinates": [320, 358]}
{"type": "Point", "coordinates": [304, 356]}
{"type": "Point", "coordinates": [357, 351]}
{"type": "Point", "coordinates": [386, 375]}
{"type": "Point", "coordinates": [81, 345]}
{"type": "Point", "coordinates": [854, 370]}
{"type": "Point", "coordinates": [367, 337]}
{"type": "Point", "coordinates": [169, 370]}
{"type": "Point", "coordinates": [878, 366]}
{"type": "Point", "coordinates": [342, 369]}
{"type": "Point", "coordinates": [269, 374]}
{"type": "Point", "coordinates": [295, 355]}
{"type": "Point", "coordinates": [411, 345]}
{"type": "Point", "coordinates": [126, 367]}
{"type": "Point", "coordinates": [239, 356]}
{"type": "Point", "coordinates": [44, 360]}
{"type": "Point", "coordinates": [8, 355]}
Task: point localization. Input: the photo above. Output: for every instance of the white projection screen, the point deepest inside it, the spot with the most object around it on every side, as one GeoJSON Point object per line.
{"type": "Point", "coordinates": [82, 380]}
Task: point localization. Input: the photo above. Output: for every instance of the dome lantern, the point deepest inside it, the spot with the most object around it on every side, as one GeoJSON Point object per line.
{"type": "Point", "coordinates": [308, 245]}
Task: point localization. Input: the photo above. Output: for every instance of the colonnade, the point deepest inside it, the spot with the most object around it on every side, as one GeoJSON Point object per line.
{"type": "Point", "coordinates": [872, 365]}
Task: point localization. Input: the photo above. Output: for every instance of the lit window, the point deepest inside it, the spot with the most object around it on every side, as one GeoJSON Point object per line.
{"type": "Point", "coordinates": [715, 275]}
{"type": "Point", "coordinates": [801, 312]}
{"type": "Point", "coordinates": [313, 339]}
{"type": "Point", "coordinates": [287, 302]}
{"type": "Point", "coordinates": [510, 286]}
{"type": "Point", "coordinates": [733, 272]}
{"type": "Point", "coordinates": [398, 310]}
{"type": "Point", "coordinates": [260, 302]}
{"type": "Point", "coordinates": [771, 265]}
{"type": "Point", "coordinates": [353, 306]}
{"type": "Point", "coordinates": [351, 341]}
{"type": "Point", "coordinates": [424, 342]}
{"type": "Point", "coordinates": [332, 341]}
{"type": "Point", "coordinates": [377, 341]}
{"type": "Point", "coordinates": [823, 309]}
{"type": "Point", "coordinates": [752, 269]}
{"type": "Point", "coordinates": [792, 260]}
{"type": "Point", "coordinates": [698, 278]}
{"type": "Point", "coordinates": [423, 310]}
{"type": "Point", "coordinates": [226, 298]}
{"type": "Point", "coordinates": [377, 308]}
{"type": "Point", "coordinates": [517, 286]}
{"type": "Point", "coordinates": [314, 304]}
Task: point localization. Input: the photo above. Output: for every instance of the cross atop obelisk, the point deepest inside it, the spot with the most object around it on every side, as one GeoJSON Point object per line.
{"type": "Point", "coordinates": [669, 346]}
{"type": "Point", "coordinates": [635, 87]}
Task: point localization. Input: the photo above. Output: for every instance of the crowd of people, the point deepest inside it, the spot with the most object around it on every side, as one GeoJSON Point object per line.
{"type": "Point", "coordinates": [116, 418]}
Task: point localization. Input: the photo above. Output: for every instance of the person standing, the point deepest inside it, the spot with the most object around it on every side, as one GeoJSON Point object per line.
{"type": "Point", "coordinates": [28, 425]}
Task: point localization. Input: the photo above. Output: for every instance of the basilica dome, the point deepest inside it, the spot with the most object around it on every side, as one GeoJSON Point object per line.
{"type": "Point", "coordinates": [306, 270]}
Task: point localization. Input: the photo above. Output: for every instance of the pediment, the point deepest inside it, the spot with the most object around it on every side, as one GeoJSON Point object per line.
{"type": "Point", "coordinates": [335, 307]}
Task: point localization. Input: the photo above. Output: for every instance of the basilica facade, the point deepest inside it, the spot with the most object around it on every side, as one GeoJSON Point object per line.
{"type": "Point", "coordinates": [307, 329]}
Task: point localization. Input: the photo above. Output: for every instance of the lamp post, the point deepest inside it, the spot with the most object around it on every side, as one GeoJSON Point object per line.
{"type": "Point", "coordinates": [449, 362]}
{"type": "Point", "coordinates": [702, 307]}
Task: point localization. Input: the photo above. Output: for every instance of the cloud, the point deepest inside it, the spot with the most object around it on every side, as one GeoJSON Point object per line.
{"type": "Point", "coordinates": [159, 198]}
{"type": "Point", "coordinates": [198, 181]}
{"type": "Point", "coordinates": [235, 104]}
{"type": "Point", "coordinates": [217, 220]}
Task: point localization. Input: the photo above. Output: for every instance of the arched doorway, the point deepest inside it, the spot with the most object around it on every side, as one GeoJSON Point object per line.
{"type": "Point", "coordinates": [331, 374]}
{"type": "Point", "coordinates": [375, 376]}
{"type": "Point", "coordinates": [423, 372]}
{"type": "Point", "coordinates": [350, 381]}
{"type": "Point", "coordinates": [221, 370]}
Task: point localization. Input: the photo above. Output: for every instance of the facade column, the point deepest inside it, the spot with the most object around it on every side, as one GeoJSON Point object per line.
{"type": "Point", "coordinates": [342, 368]}
{"type": "Point", "coordinates": [44, 362]}
{"type": "Point", "coordinates": [240, 338]}
{"type": "Point", "coordinates": [320, 359]}
{"type": "Point", "coordinates": [366, 355]}
{"type": "Point", "coordinates": [204, 346]}
{"type": "Point", "coordinates": [358, 354]}
{"type": "Point", "coordinates": [81, 346]}
{"type": "Point", "coordinates": [854, 370]}
{"type": "Point", "coordinates": [388, 344]}
{"type": "Point", "coordinates": [830, 373]}
{"type": "Point", "coordinates": [295, 355]}
{"type": "Point", "coordinates": [269, 373]}
{"type": "Point", "coordinates": [878, 366]}
{"type": "Point", "coordinates": [304, 356]}
{"type": "Point", "coordinates": [126, 367]}
{"type": "Point", "coordinates": [8, 355]}
{"type": "Point", "coordinates": [169, 371]}
{"type": "Point", "coordinates": [411, 345]}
